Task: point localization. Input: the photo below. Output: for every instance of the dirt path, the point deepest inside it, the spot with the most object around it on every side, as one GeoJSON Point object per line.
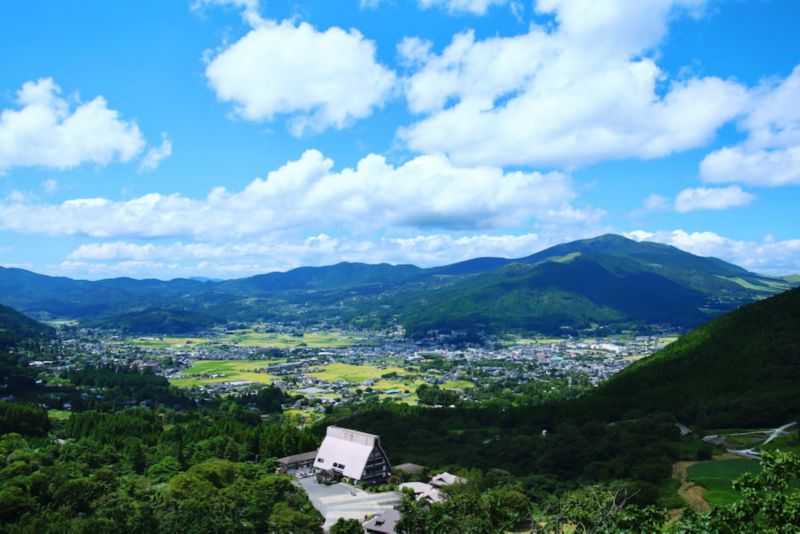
{"type": "Point", "coordinates": [690, 492]}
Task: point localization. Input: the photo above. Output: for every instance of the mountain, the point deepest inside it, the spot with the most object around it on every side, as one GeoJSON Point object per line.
{"type": "Point", "coordinates": [609, 280]}
{"type": "Point", "coordinates": [16, 328]}
{"type": "Point", "coordinates": [606, 280]}
{"type": "Point", "coordinates": [740, 370]}
{"type": "Point", "coordinates": [158, 321]}
{"type": "Point", "coordinates": [337, 276]}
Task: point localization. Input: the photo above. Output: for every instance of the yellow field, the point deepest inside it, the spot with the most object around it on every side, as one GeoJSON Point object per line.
{"type": "Point", "coordinates": [351, 373]}
{"type": "Point", "coordinates": [229, 370]}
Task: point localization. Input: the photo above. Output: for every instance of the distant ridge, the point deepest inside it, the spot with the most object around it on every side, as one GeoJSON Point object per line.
{"type": "Point", "coordinates": [607, 281]}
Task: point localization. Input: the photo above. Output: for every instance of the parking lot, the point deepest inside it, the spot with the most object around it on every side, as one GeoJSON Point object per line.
{"type": "Point", "coordinates": [342, 500]}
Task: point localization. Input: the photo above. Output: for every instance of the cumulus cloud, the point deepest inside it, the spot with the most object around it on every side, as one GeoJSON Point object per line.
{"type": "Point", "coordinates": [770, 156]}
{"type": "Point", "coordinates": [318, 79]}
{"type": "Point", "coordinates": [153, 158]}
{"type": "Point", "coordinates": [581, 91]}
{"type": "Point", "coordinates": [426, 192]}
{"type": "Point", "coordinates": [769, 256]}
{"type": "Point", "coordinates": [48, 130]}
{"type": "Point", "coordinates": [710, 198]}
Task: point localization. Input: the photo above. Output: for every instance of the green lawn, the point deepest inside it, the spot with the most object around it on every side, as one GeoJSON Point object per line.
{"type": "Point", "coordinates": [229, 370]}
{"type": "Point", "coordinates": [717, 477]}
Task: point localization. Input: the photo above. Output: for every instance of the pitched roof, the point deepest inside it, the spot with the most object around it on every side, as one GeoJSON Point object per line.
{"type": "Point", "coordinates": [410, 469]}
{"type": "Point", "coordinates": [385, 522]}
{"type": "Point", "coordinates": [349, 449]}
{"type": "Point", "coordinates": [295, 458]}
{"type": "Point", "coordinates": [447, 479]}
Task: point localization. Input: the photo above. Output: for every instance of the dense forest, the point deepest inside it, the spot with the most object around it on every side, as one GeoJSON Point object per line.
{"type": "Point", "coordinates": [141, 470]}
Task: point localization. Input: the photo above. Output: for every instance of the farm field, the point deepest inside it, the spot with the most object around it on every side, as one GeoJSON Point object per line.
{"type": "Point", "coordinates": [717, 477]}
{"type": "Point", "coordinates": [224, 371]}
{"type": "Point", "coordinates": [270, 339]}
{"type": "Point", "coordinates": [249, 338]}
{"type": "Point", "coordinates": [352, 373]}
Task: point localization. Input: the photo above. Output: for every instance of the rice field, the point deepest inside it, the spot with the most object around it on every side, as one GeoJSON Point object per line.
{"type": "Point", "coordinates": [717, 477]}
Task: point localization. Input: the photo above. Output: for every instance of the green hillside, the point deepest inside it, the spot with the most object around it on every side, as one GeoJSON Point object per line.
{"type": "Point", "coordinates": [159, 321]}
{"type": "Point", "coordinates": [16, 328]}
{"type": "Point", "coordinates": [739, 370]}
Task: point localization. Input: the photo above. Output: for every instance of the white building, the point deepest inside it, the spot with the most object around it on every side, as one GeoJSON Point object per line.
{"type": "Point", "coordinates": [353, 454]}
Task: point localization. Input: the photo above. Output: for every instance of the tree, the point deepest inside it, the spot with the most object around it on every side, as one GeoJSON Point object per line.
{"type": "Point", "coordinates": [347, 526]}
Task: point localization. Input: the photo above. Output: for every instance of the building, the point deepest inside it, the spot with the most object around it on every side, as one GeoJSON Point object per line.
{"type": "Point", "coordinates": [409, 469]}
{"type": "Point", "coordinates": [384, 523]}
{"type": "Point", "coordinates": [423, 491]}
{"type": "Point", "coordinates": [446, 479]}
{"type": "Point", "coordinates": [296, 461]}
{"type": "Point", "coordinates": [354, 455]}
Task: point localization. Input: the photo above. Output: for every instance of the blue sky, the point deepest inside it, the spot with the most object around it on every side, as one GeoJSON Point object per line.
{"type": "Point", "coordinates": [225, 138]}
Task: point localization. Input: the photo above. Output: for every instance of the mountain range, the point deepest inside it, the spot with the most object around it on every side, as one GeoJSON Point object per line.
{"type": "Point", "coordinates": [608, 280]}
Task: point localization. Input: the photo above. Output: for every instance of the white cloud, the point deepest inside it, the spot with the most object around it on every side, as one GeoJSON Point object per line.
{"type": "Point", "coordinates": [705, 198]}
{"type": "Point", "coordinates": [769, 256]}
{"type": "Point", "coordinates": [582, 91]}
{"type": "Point", "coordinates": [770, 156]}
{"type": "Point", "coordinates": [318, 79]}
{"type": "Point", "coordinates": [244, 258]}
{"type": "Point", "coordinates": [426, 192]}
{"type": "Point", "coordinates": [47, 130]}
{"type": "Point", "coordinates": [153, 158]}
{"type": "Point", "coordinates": [477, 7]}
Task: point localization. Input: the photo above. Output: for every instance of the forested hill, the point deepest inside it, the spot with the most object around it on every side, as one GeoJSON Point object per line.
{"type": "Point", "coordinates": [605, 280]}
{"type": "Point", "coordinates": [739, 370]}
{"type": "Point", "coordinates": [16, 328]}
{"type": "Point", "coordinates": [608, 281]}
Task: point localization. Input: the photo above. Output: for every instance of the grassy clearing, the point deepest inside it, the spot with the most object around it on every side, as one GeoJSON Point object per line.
{"type": "Point", "coordinates": [58, 415]}
{"type": "Point", "coordinates": [351, 373]}
{"type": "Point", "coordinates": [224, 371]}
{"type": "Point", "coordinates": [717, 477]}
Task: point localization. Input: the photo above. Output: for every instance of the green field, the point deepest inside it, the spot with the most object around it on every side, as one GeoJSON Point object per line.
{"type": "Point", "coordinates": [228, 371]}
{"type": "Point", "coordinates": [251, 338]}
{"type": "Point", "coordinates": [717, 477]}
{"type": "Point", "coordinates": [352, 373]}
